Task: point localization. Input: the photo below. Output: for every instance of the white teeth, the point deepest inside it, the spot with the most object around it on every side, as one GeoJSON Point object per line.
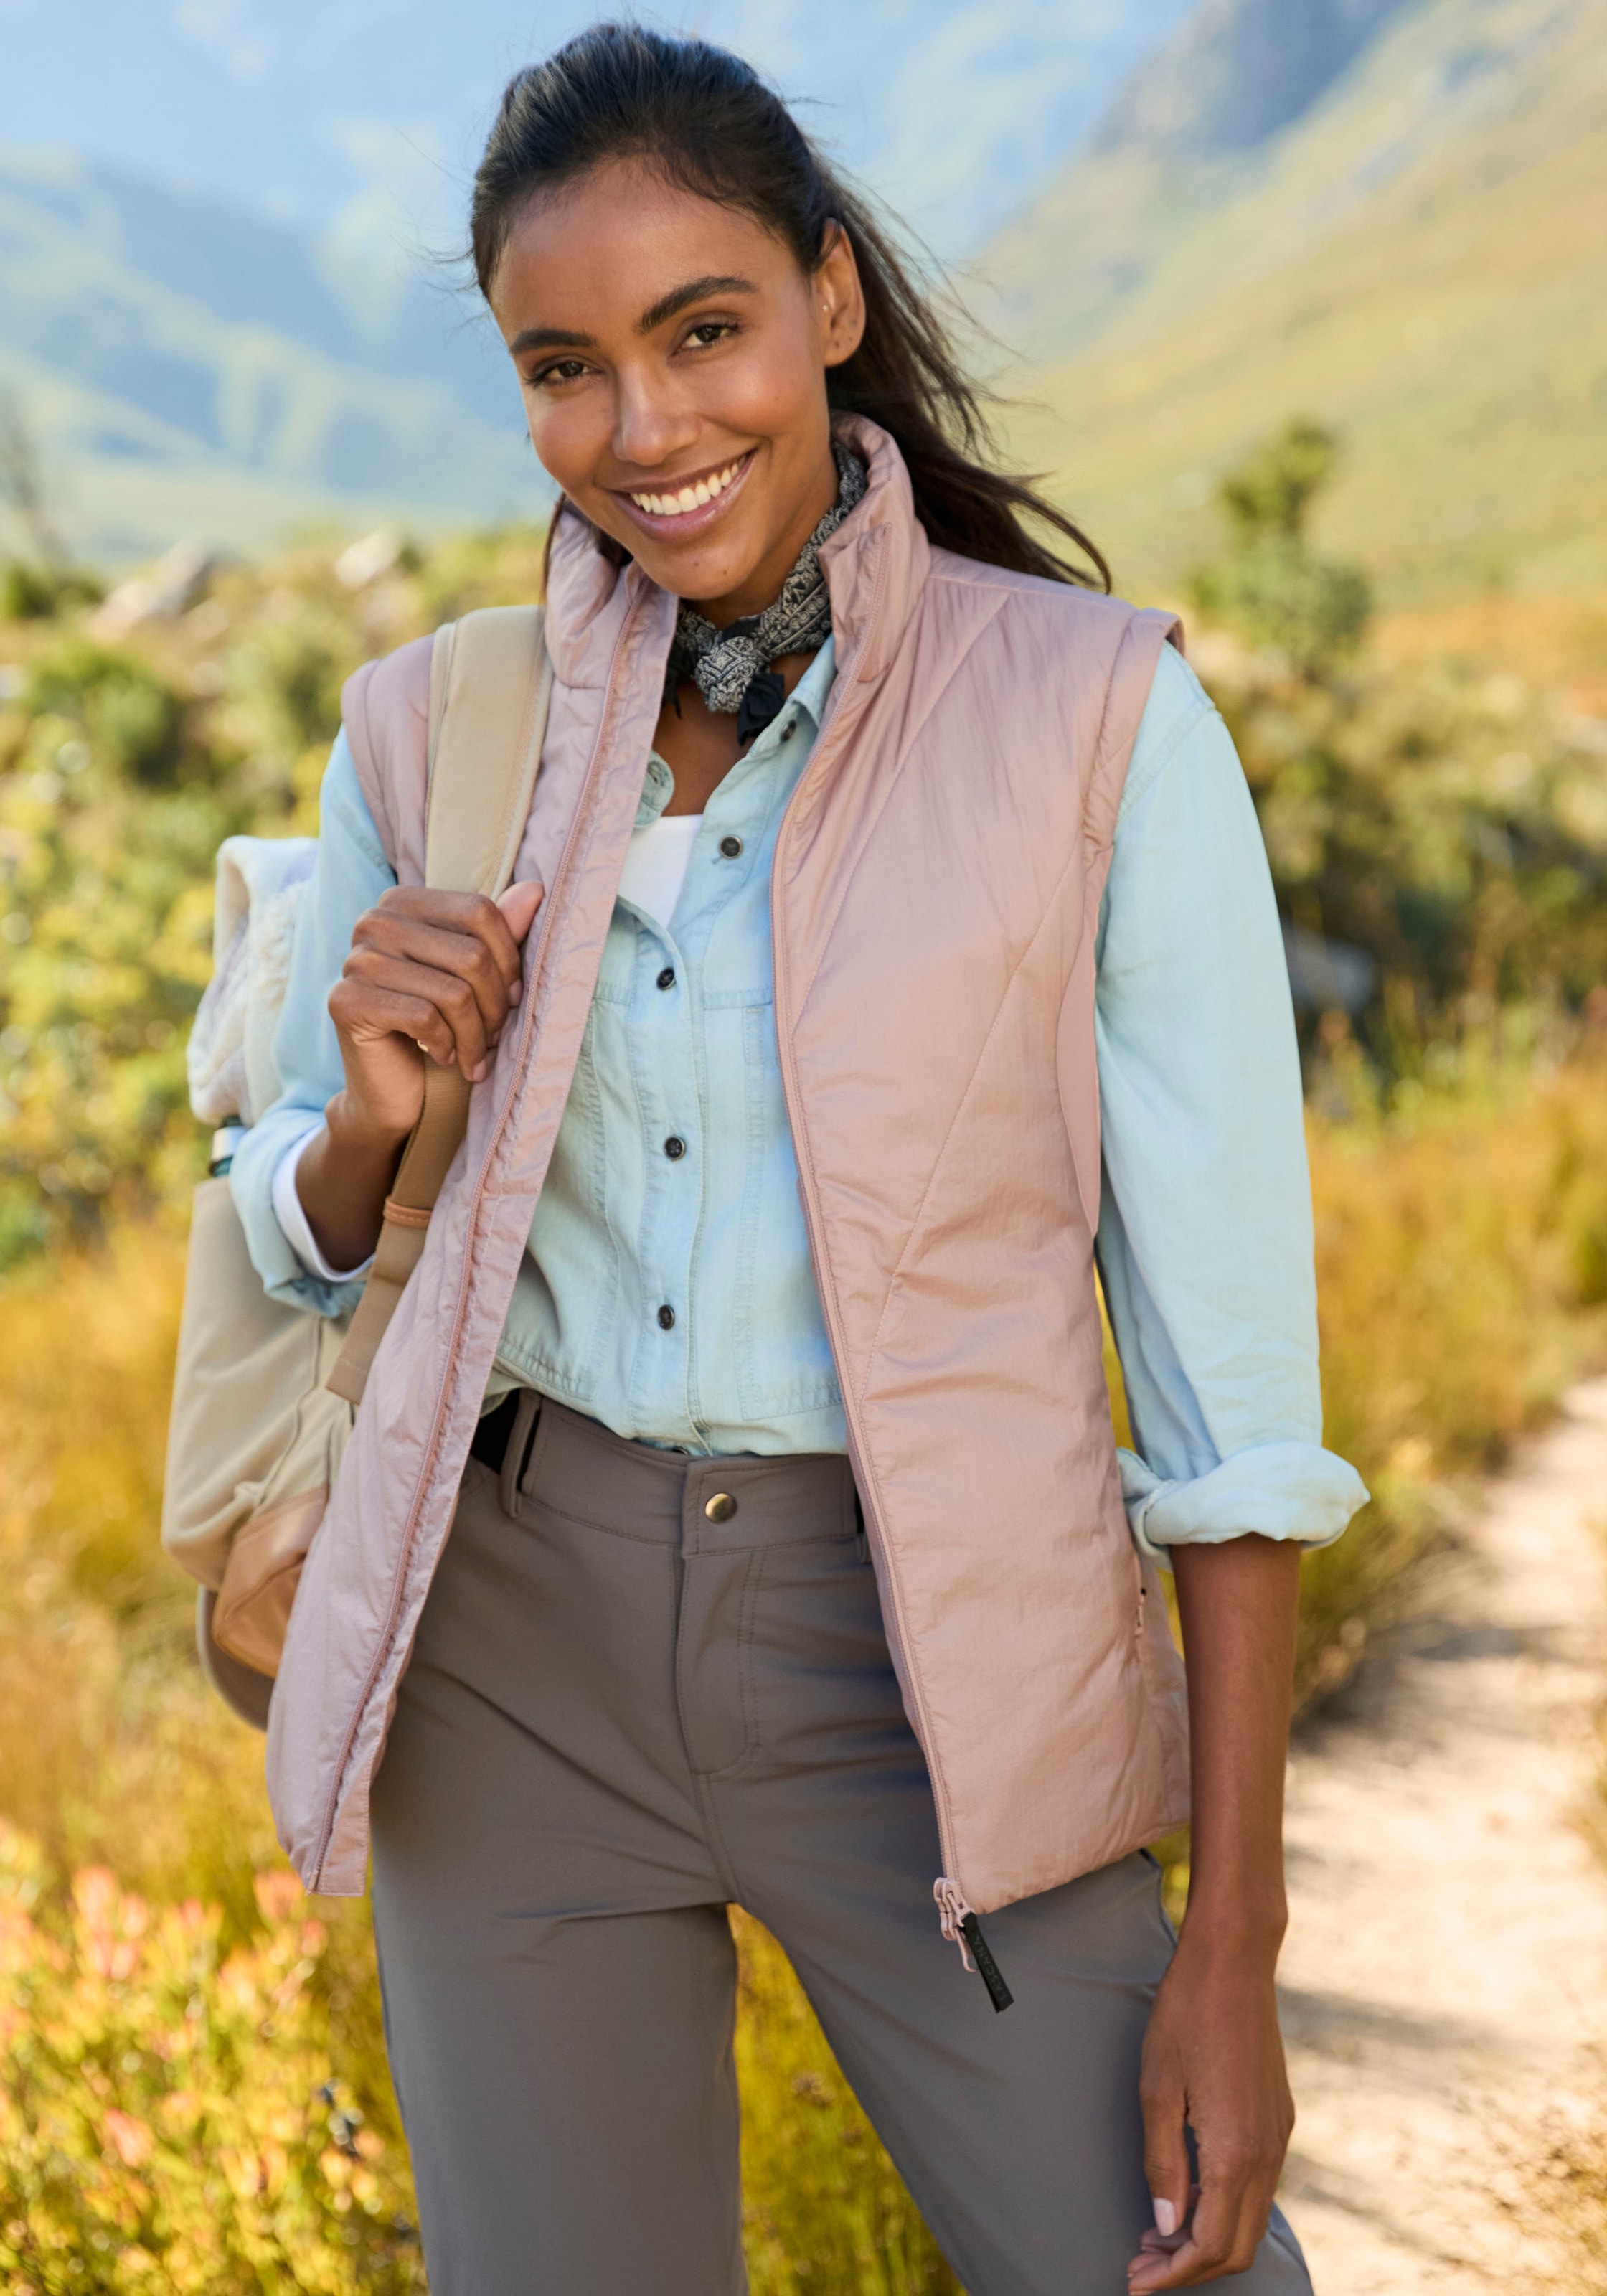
{"type": "Point", "coordinates": [689, 498]}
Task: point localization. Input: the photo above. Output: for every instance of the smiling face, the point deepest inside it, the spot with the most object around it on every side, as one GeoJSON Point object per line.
{"type": "Point", "coordinates": [673, 356]}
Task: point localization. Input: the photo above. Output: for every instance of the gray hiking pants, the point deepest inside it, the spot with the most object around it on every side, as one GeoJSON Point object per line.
{"type": "Point", "coordinates": [631, 1703]}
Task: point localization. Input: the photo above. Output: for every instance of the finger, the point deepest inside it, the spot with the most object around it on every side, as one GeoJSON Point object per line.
{"type": "Point", "coordinates": [1255, 2214]}
{"type": "Point", "coordinates": [1237, 2188]}
{"type": "Point", "coordinates": [463, 956]}
{"type": "Point", "coordinates": [1156, 2242]}
{"type": "Point", "coordinates": [519, 905]}
{"type": "Point", "coordinates": [364, 1012]}
{"type": "Point", "coordinates": [1212, 2236]}
{"type": "Point", "coordinates": [1167, 2167]}
{"type": "Point", "coordinates": [464, 913]}
{"type": "Point", "coordinates": [449, 996]}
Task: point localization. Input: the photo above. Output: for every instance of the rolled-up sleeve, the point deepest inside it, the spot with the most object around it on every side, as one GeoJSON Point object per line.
{"type": "Point", "coordinates": [350, 875]}
{"type": "Point", "coordinates": [1205, 1231]}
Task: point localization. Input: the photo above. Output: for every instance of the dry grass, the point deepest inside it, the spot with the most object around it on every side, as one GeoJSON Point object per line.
{"type": "Point", "coordinates": [1461, 1272]}
{"type": "Point", "coordinates": [1565, 2202]}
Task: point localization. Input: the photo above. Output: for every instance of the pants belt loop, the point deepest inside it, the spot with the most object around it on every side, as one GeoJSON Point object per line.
{"type": "Point", "coordinates": [522, 1435]}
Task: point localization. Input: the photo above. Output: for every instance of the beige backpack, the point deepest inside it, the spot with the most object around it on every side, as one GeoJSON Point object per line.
{"type": "Point", "coordinates": [263, 1395]}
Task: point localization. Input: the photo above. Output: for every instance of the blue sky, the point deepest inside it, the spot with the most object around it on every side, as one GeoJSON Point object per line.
{"type": "Point", "coordinates": [364, 115]}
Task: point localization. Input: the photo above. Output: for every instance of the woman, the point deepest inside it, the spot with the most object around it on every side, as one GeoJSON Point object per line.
{"type": "Point", "coordinates": [754, 1358]}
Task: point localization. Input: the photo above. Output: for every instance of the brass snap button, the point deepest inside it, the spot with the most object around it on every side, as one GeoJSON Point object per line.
{"type": "Point", "coordinates": [721, 1507]}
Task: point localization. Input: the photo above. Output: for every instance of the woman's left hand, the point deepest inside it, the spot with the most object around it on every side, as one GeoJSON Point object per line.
{"type": "Point", "coordinates": [1213, 2057]}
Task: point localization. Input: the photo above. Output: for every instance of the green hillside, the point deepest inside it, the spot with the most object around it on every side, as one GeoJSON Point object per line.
{"type": "Point", "coordinates": [189, 369]}
{"type": "Point", "coordinates": [1419, 258]}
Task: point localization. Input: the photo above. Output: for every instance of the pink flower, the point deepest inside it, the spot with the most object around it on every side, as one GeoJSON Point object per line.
{"type": "Point", "coordinates": [278, 1894]}
{"type": "Point", "coordinates": [130, 2139]}
{"type": "Point", "coordinates": [95, 1891]}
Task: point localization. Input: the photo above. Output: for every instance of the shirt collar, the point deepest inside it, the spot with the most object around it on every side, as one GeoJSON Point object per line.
{"type": "Point", "coordinates": [808, 700]}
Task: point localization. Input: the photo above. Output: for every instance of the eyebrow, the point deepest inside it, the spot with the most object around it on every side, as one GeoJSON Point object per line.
{"type": "Point", "coordinates": [549, 338]}
{"type": "Point", "coordinates": [693, 291]}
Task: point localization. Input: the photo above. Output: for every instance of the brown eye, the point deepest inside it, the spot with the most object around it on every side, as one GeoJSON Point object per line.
{"type": "Point", "coordinates": [561, 371]}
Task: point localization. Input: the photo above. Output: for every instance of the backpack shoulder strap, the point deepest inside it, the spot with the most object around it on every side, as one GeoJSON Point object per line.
{"type": "Point", "coordinates": [490, 684]}
{"type": "Point", "coordinates": [491, 688]}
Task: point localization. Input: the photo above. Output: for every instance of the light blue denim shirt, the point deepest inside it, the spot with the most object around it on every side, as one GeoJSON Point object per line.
{"type": "Point", "coordinates": [1204, 1240]}
{"type": "Point", "coordinates": [673, 1183]}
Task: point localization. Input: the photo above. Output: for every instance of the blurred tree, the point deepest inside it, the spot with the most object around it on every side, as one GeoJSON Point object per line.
{"type": "Point", "coordinates": [1271, 584]}
{"type": "Point", "coordinates": [34, 588]}
{"type": "Point", "coordinates": [1413, 817]}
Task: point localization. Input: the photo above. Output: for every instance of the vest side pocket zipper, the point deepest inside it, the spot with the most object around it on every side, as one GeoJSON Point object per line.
{"type": "Point", "coordinates": [961, 1927]}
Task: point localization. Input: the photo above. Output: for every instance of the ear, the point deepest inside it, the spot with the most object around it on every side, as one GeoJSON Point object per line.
{"type": "Point", "coordinates": [838, 299]}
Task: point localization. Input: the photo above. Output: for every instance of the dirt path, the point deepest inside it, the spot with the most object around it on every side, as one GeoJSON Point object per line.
{"type": "Point", "coordinates": [1445, 1982]}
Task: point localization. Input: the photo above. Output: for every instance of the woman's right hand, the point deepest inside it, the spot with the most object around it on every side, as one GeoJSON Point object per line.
{"type": "Point", "coordinates": [430, 972]}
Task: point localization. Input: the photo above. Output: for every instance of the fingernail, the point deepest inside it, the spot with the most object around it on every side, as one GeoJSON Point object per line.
{"type": "Point", "coordinates": [516, 991]}
{"type": "Point", "coordinates": [1166, 2219]}
{"type": "Point", "coordinates": [477, 1075]}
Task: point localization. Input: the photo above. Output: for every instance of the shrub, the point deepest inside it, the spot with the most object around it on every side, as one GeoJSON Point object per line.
{"type": "Point", "coordinates": [127, 710]}
{"type": "Point", "coordinates": [1424, 816]}
{"type": "Point", "coordinates": [1270, 583]}
{"type": "Point", "coordinates": [169, 2120]}
{"type": "Point", "coordinates": [32, 591]}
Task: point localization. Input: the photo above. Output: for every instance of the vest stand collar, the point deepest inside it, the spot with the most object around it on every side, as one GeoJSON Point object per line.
{"type": "Point", "coordinates": [875, 566]}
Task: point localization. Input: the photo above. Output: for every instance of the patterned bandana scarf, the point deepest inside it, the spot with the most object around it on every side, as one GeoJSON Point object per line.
{"type": "Point", "coordinates": [731, 668]}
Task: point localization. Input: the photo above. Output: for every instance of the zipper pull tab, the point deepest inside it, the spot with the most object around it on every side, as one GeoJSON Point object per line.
{"type": "Point", "coordinates": [961, 1927]}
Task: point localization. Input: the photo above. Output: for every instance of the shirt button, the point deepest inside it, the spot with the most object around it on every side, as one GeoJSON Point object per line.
{"type": "Point", "coordinates": [667, 978]}
{"type": "Point", "coordinates": [788, 730]}
{"type": "Point", "coordinates": [675, 1147]}
{"type": "Point", "coordinates": [731, 847]}
{"type": "Point", "coordinates": [721, 1507]}
{"type": "Point", "coordinates": [667, 1319]}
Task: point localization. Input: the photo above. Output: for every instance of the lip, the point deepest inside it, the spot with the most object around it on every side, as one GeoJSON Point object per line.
{"type": "Point", "coordinates": [686, 523]}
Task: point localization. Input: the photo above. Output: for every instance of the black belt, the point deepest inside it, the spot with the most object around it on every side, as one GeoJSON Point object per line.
{"type": "Point", "coordinates": [495, 1431]}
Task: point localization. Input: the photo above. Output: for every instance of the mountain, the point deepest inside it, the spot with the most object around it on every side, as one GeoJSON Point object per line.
{"type": "Point", "coordinates": [1391, 214]}
{"type": "Point", "coordinates": [219, 325]}
{"type": "Point", "coordinates": [192, 364]}
{"type": "Point", "coordinates": [366, 111]}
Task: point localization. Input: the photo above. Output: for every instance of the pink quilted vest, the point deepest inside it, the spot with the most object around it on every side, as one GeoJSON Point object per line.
{"type": "Point", "coordinates": [934, 901]}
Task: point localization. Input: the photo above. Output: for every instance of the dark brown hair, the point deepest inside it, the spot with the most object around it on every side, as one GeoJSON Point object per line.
{"type": "Point", "coordinates": [714, 128]}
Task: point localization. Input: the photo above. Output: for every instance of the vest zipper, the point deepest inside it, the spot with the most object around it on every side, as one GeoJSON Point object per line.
{"type": "Point", "coordinates": [961, 1927]}
{"type": "Point", "coordinates": [550, 908]}
{"type": "Point", "coordinates": [968, 1939]}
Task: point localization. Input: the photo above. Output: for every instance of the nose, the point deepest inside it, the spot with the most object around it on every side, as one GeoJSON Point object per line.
{"type": "Point", "coordinates": [649, 425]}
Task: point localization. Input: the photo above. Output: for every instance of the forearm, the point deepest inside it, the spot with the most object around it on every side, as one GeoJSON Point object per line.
{"type": "Point", "coordinates": [343, 1178]}
{"type": "Point", "coordinates": [1238, 1602]}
